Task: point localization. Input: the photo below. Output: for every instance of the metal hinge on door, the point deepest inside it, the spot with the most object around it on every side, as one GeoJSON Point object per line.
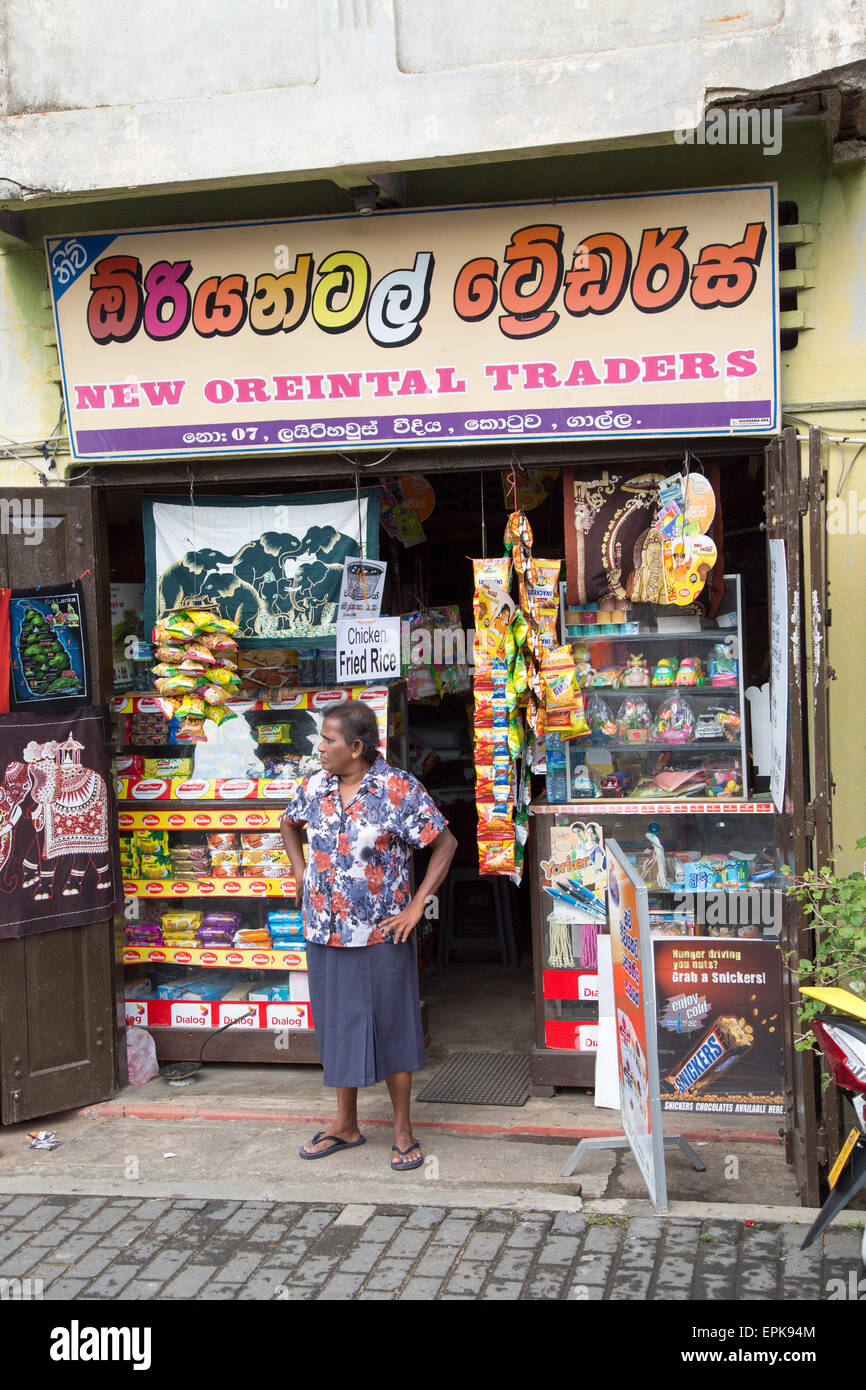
{"type": "Point", "coordinates": [809, 820]}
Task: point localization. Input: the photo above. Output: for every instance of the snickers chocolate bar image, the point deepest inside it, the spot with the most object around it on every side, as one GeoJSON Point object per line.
{"type": "Point", "coordinates": [721, 1046]}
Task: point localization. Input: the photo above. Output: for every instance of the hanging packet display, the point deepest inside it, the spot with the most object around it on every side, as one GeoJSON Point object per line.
{"type": "Point", "coordinates": [494, 611]}
{"type": "Point", "coordinates": [496, 572]}
{"type": "Point", "coordinates": [496, 853]}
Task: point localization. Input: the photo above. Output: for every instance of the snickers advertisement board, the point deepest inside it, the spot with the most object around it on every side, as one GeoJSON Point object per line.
{"type": "Point", "coordinates": [719, 1004]}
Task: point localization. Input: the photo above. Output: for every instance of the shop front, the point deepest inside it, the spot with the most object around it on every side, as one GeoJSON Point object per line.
{"type": "Point", "coordinates": [558, 427]}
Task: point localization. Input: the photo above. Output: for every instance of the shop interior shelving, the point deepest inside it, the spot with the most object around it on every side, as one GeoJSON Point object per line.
{"type": "Point", "coordinates": [566, 999]}
{"type": "Point", "coordinates": [725, 629]}
{"type": "Point", "coordinates": [265, 1032]}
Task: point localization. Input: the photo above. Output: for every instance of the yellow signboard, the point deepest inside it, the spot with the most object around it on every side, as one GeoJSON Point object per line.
{"type": "Point", "coordinates": [651, 314]}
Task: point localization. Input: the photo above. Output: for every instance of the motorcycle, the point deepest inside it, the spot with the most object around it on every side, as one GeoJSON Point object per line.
{"type": "Point", "coordinates": [841, 1035]}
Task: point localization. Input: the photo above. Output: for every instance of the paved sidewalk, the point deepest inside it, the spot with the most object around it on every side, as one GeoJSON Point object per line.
{"type": "Point", "coordinates": [168, 1248]}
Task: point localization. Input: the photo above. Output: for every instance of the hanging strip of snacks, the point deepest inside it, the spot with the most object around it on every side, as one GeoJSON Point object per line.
{"type": "Point", "coordinates": [196, 669]}
{"type": "Point", "coordinates": [525, 685]}
{"type": "Point", "coordinates": [494, 769]}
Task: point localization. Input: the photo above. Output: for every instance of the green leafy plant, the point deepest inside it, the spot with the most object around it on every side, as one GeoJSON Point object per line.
{"type": "Point", "coordinates": [836, 908]}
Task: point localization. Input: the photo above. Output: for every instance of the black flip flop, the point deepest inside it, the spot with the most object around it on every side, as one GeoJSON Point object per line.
{"type": "Point", "coordinates": [335, 1147]}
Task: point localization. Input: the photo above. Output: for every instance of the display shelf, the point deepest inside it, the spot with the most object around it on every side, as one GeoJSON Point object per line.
{"type": "Point", "coordinates": [225, 789]}
{"type": "Point", "coordinates": [303, 697]}
{"type": "Point", "coordinates": [221, 958]}
{"type": "Point", "coordinates": [564, 1033]}
{"type": "Point", "coordinates": [213, 1013]}
{"type": "Point", "coordinates": [571, 982]}
{"type": "Point", "coordinates": [202, 818]}
{"type": "Point", "coordinates": [701, 745]}
{"type": "Point", "coordinates": [721, 692]}
{"type": "Point", "coordinates": [222, 796]}
{"type": "Point", "coordinates": [209, 888]}
{"type": "Point", "coordinates": [565, 760]}
{"type": "Point", "coordinates": [704, 634]}
{"type": "Point", "coordinates": [709, 807]}
{"type": "Point", "coordinates": [295, 1046]}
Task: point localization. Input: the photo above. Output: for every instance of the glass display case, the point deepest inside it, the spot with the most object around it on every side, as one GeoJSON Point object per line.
{"type": "Point", "coordinates": [664, 702]}
{"type": "Point", "coordinates": [710, 868]}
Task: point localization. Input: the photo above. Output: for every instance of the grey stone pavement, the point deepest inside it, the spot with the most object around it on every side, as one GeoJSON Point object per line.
{"type": "Point", "coordinates": [73, 1247]}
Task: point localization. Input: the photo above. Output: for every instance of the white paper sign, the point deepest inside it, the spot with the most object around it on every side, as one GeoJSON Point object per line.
{"type": "Point", "coordinates": [606, 1070]}
{"type": "Point", "coordinates": [368, 651]}
{"type": "Point", "coordinates": [778, 670]}
{"type": "Point", "coordinates": [361, 589]}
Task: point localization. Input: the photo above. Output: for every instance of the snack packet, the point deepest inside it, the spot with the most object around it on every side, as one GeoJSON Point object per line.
{"type": "Point", "coordinates": [203, 655]}
{"type": "Point", "coordinates": [220, 642]}
{"type": "Point", "coordinates": [218, 713]}
{"type": "Point", "coordinates": [495, 853]}
{"type": "Point", "coordinates": [539, 595]}
{"type": "Point", "coordinates": [213, 695]}
{"type": "Point", "coordinates": [172, 626]}
{"type": "Point", "coordinates": [557, 672]}
{"type": "Point", "coordinates": [495, 571]}
{"type": "Point", "coordinates": [170, 655]}
{"type": "Point", "coordinates": [177, 684]}
{"type": "Point", "coordinates": [191, 730]}
{"type": "Point", "coordinates": [224, 675]}
{"type": "Point", "coordinates": [191, 704]}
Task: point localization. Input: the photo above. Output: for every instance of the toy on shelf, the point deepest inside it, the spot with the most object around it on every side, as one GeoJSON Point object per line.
{"type": "Point", "coordinates": [675, 721]}
{"type": "Point", "coordinates": [665, 671]}
{"type": "Point", "coordinates": [729, 721]}
{"type": "Point", "coordinates": [609, 676]}
{"type": "Point", "coordinates": [582, 785]}
{"type": "Point", "coordinates": [723, 778]}
{"type": "Point", "coordinates": [724, 668]}
{"type": "Point", "coordinates": [637, 671]}
{"type": "Point", "coordinates": [616, 784]}
{"type": "Point", "coordinates": [583, 671]}
{"type": "Point", "coordinates": [707, 726]}
{"type": "Point", "coordinates": [691, 672]}
{"type": "Point", "coordinates": [634, 721]}
{"type": "Point", "coordinates": [599, 717]}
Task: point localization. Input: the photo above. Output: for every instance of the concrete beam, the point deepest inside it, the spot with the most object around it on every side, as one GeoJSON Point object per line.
{"type": "Point", "coordinates": [289, 90]}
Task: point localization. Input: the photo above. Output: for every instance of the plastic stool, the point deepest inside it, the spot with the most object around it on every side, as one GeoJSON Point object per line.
{"type": "Point", "coordinates": [455, 936]}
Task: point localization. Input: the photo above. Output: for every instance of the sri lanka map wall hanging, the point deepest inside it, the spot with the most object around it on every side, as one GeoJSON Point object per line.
{"type": "Point", "coordinates": [48, 645]}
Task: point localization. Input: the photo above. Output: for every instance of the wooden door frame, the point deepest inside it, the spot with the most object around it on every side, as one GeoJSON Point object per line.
{"type": "Point", "coordinates": [803, 828]}
{"type": "Point", "coordinates": [80, 507]}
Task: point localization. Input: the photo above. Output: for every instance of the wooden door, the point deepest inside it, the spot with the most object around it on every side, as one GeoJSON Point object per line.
{"type": "Point", "coordinates": [795, 515]}
{"type": "Point", "coordinates": [62, 1030]}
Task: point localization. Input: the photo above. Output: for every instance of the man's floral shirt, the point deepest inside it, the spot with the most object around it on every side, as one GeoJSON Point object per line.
{"type": "Point", "coordinates": [358, 859]}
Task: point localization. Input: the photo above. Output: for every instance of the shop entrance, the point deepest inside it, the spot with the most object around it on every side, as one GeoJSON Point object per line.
{"type": "Point", "coordinates": [484, 991]}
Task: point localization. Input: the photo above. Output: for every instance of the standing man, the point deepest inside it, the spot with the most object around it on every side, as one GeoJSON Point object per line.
{"type": "Point", "coordinates": [362, 818]}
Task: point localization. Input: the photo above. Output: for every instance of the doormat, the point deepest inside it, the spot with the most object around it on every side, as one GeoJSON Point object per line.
{"type": "Point", "coordinates": [480, 1078]}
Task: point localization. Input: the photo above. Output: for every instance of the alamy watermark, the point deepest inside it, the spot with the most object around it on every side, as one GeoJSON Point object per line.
{"type": "Point", "coordinates": [732, 125]}
{"type": "Point", "coordinates": [439, 646]}
{"type": "Point", "coordinates": [750, 908]}
{"type": "Point", "coordinates": [20, 1290]}
{"type": "Point", "coordinates": [846, 516]}
{"type": "Point", "coordinates": [22, 518]}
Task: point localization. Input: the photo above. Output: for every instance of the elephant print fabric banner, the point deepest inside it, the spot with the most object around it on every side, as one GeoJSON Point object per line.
{"type": "Point", "coordinates": [58, 837]}
{"type": "Point", "coordinates": [274, 566]}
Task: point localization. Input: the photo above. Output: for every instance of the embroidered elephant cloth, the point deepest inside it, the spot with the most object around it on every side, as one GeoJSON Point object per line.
{"type": "Point", "coordinates": [59, 855]}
